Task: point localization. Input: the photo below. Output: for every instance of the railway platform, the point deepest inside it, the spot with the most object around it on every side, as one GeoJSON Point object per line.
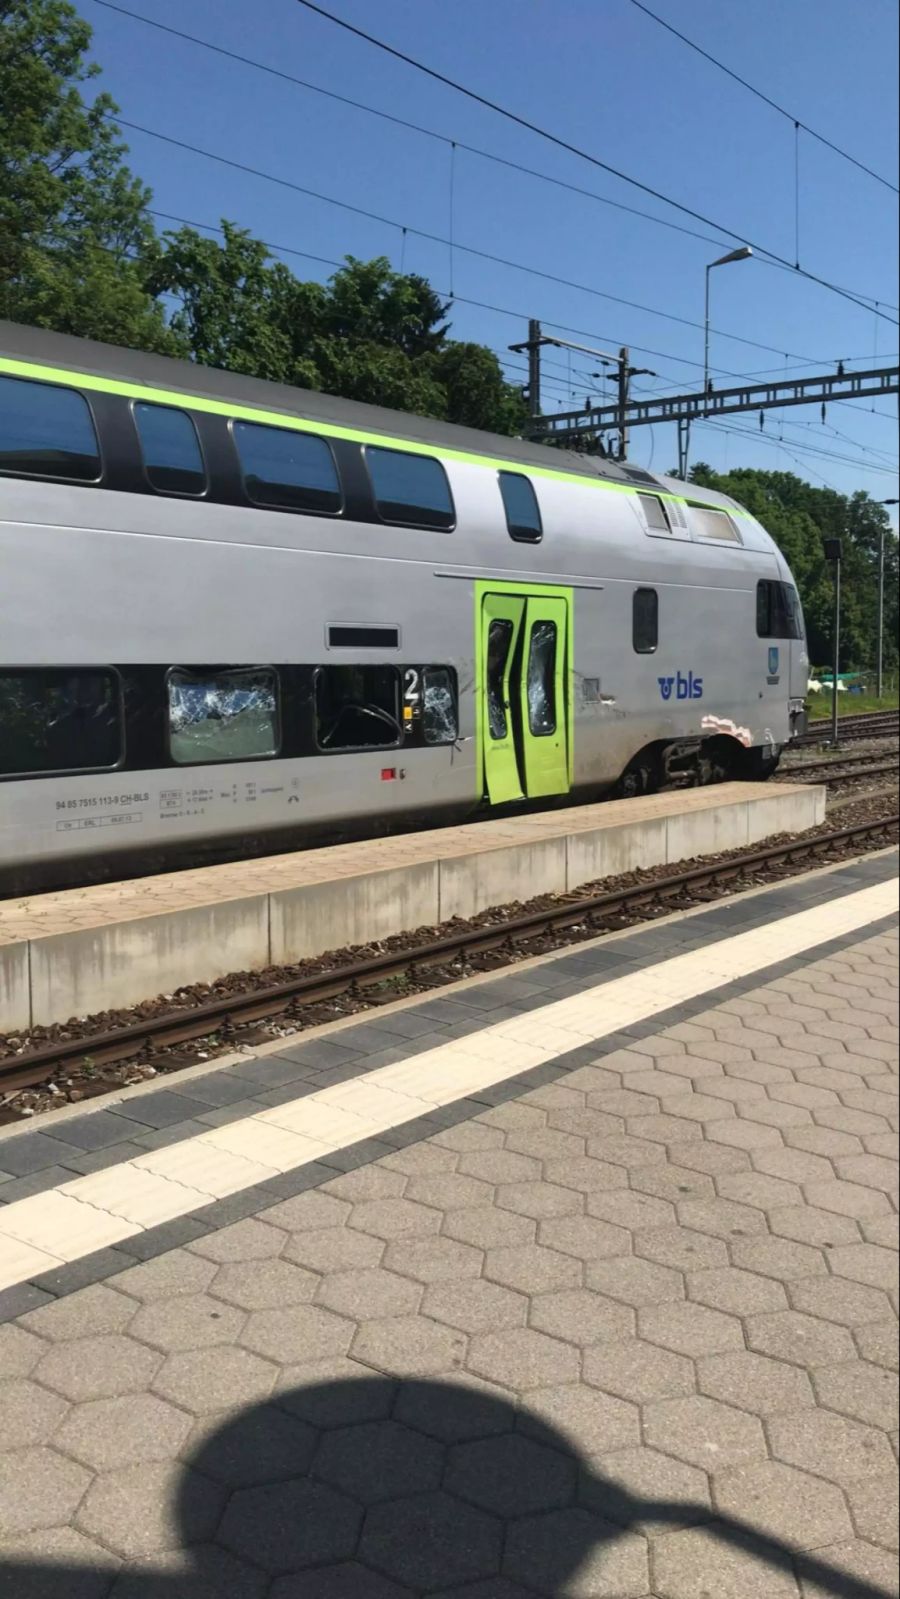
{"type": "Point", "coordinates": [575, 1280]}
{"type": "Point", "coordinates": [83, 951]}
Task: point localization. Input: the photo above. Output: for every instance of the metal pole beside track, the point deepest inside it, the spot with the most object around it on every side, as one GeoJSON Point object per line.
{"type": "Point", "coordinates": [879, 664]}
{"type": "Point", "coordinates": [833, 554]}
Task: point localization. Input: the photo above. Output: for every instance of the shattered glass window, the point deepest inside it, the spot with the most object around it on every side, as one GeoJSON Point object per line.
{"type": "Point", "coordinates": [357, 707]}
{"type": "Point", "coordinates": [439, 715]}
{"type": "Point", "coordinates": [222, 715]}
{"type": "Point", "coordinates": [499, 639]}
{"type": "Point", "coordinates": [170, 448]}
{"type": "Point", "coordinates": [541, 679]}
{"type": "Point", "coordinates": [59, 721]}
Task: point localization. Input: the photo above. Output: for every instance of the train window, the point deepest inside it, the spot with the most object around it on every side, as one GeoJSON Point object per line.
{"type": "Point", "coordinates": [500, 638]}
{"type": "Point", "coordinates": [59, 720]}
{"type": "Point", "coordinates": [440, 720]}
{"type": "Point", "coordinates": [645, 621]}
{"type": "Point", "coordinates": [655, 512]}
{"type": "Point", "coordinates": [46, 431]}
{"type": "Point", "coordinates": [778, 613]}
{"type": "Point", "coordinates": [357, 707]}
{"type": "Point", "coordinates": [540, 679]}
{"type": "Point", "coordinates": [287, 470]}
{"type": "Point", "coordinates": [221, 714]}
{"type": "Point", "coordinates": [523, 517]}
{"type": "Point", "coordinates": [712, 524]}
{"type": "Point", "coordinates": [170, 448]}
{"type": "Point", "coordinates": [410, 489]}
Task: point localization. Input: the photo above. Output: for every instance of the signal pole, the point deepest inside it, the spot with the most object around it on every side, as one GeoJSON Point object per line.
{"type": "Point", "coordinates": [624, 375]}
{"type": "Point", "coordinates": [533, 345]}
{"type": "Point", "coordinates": [534, 368]}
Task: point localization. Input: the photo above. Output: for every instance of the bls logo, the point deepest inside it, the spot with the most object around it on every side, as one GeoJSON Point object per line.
{"type": "Point", "coordinates": [685, 688]}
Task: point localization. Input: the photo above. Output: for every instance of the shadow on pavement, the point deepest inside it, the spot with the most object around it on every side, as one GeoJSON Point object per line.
{"type": "Point", "coordinates": [383, 1489]}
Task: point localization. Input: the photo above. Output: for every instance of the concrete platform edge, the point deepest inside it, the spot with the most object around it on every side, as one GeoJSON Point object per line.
{"type": "Point", "coordinates": [90, 969]}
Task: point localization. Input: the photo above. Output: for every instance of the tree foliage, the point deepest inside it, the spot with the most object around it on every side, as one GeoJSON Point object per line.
{"type": "Point", "coordinates": [75, 231]}
{"type": "Point", "coordinates": [800, 518]}
{"type": "Point", "coordinates": [79, 253]}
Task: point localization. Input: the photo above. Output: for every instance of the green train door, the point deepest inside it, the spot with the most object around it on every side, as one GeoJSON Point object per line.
{"type": "Point", "coordinates": [525, 662]}
{"type": "Point", "coordinates": [501, 623]}
{"type": "Point", "coordinates": [543, 697]}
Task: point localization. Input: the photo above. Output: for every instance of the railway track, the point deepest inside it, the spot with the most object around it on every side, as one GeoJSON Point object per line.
{"type": "Point", "coordinates": [841, 770]}
{"type": "Point", "coordinates": [852, 729]}
{"type": "Point", "coordinates": [158, 1031]}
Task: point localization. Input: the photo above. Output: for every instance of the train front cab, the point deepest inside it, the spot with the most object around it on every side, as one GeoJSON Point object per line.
{"type": "Point", "coordinates": [523, 686]}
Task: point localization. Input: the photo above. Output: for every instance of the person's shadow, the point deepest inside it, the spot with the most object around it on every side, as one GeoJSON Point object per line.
{"type": "Point", "coordinates": [383, 1489]}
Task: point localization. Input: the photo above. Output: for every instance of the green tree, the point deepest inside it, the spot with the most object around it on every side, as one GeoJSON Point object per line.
{"type": "Point", "coordinates": [74, 227]}
{"type": "Point", "coordinates": [234, 305]}
{"type": "Point", "coordinates": [800, 517]}
{"type": "Point", "coordinates": [369, 334]}
{"type": "Point", "coordinates": [79, 254]}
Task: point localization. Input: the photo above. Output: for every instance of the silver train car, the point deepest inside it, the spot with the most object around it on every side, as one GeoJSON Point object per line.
{"type": "Point", "coordinates": [237, 617]}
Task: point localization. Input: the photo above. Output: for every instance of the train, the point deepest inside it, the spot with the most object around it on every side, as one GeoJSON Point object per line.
{"type": "Point", "coordinates": [238, 618]}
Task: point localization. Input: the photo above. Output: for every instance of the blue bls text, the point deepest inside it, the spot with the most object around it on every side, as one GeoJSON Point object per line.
{"type": "Point", "coordinates": [684, 688]}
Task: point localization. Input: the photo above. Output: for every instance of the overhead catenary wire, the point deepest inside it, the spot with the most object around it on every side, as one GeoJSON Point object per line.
{"type": "Point", "coordinates": [584, 155]}
{"type": "Point", "coordinates": [562, 383]}
{"type": "Point", "coordinates": [436, 238]}
{"type": "Point", "coordinates": [459, 144]}
{"type": "Point", "coordinates": [721, 426]}
{"type": "Point", "coordinates": [766, 99]}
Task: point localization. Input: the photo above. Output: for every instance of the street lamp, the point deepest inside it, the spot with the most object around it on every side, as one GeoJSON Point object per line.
{"type": "Point", "coordinates": [880, 646]}
{"type": "Point", "coordinates": [743, 254]}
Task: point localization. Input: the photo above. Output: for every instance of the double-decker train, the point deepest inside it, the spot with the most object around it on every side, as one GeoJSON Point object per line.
{"type": "Point", "coordinates": [238, 617]}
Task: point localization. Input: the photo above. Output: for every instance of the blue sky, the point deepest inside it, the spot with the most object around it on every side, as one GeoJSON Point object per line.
{"type": "Point", "coordinates": [604, 76]}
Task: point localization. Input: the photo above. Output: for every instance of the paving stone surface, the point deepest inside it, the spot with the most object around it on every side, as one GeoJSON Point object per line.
{"type": "Point", "coordinates": [632, 1334]}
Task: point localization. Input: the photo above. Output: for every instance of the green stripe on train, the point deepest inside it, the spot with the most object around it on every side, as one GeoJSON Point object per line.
{"type": "Point", "coordinates": [247, 413]}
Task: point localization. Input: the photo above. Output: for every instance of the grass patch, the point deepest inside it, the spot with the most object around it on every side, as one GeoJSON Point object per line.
{"type": "Point", "coordinates": [819, 705]}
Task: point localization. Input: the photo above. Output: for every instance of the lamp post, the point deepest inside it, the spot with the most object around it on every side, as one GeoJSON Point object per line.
{"type": "Point", "coordinates": [743, 254]}
{"type": "Point", "coordinates": [833, 554]}
{"type": "Point", "coordinates": [879, 658]}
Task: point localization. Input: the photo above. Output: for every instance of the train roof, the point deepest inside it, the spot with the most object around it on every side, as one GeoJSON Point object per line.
{"type": "Point", "coordinates": [76, 355]}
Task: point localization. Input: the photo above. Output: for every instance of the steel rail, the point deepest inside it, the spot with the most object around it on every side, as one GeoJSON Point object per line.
{"type": "Point", "coordinates": [841, 770]}
{"type": "Point", "coordinates": [34, 1066]}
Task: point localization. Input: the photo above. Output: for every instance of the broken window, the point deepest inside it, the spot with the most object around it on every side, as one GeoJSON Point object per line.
{"type": "Point", "coordinates": [500, 634]}
{"type": "Point", "coordinates": [222, 715]}
{"type": "Point", "coordinates": [357, 707]}
{"type": "Point", "coordinates": [541, 679]}
{"type": "Point", "coordinates": [59, 721]}
{"type": "Point", "coordinates": [440, 721]}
